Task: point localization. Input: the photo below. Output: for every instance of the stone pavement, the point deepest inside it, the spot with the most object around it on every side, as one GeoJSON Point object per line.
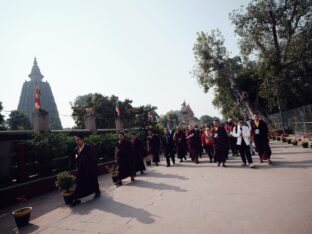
{"type": "Point", "coordinates": [189, 198]}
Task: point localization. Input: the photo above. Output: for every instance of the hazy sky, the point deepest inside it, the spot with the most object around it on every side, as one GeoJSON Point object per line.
{"type": "Point", "coordinates": [136, 49]}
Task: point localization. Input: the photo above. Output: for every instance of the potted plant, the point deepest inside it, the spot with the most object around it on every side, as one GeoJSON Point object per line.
{"type": "Point", "coordinates": [22, 216]}
{"type": "Point", "coordinates": [289, 139]}
{"type": "Point", "coordinates": [65, 183]}
{"type": "Point", "coordinates": [294, 141]}
{"type": "Point", "coordinates": [304, 143]}
{"type": "Point", "coordinates": [278, 138]}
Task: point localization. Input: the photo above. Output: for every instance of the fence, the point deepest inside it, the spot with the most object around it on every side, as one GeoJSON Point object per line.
{"type": "Point", "coordinates": [297, 120]}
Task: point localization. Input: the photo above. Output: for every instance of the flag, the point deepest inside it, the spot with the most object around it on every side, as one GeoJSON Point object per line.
{"type": "Point", "coordinates": [117, 109]}
{"type": "Point", "coordinates": [37, 97]}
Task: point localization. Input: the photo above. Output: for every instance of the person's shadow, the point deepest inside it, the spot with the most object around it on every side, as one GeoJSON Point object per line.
{"type": "Point", "coordinates": [157, 186]}
{"type": "Point", "coordinates": [107, 204]}
{"type": "Point", "coordinates": [166, 176]}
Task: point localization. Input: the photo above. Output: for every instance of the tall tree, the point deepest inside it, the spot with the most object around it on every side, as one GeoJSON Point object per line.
{"type": "Point", "coordinates": [18, 121]}
{"type": "Point", "coordinates": [215, 69]}
{"type": "Point", "coordinates": [278, 34]}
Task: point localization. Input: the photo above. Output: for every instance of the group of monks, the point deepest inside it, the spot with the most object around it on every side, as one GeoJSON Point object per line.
{"type": "Point", "coordinates": [216, 140]}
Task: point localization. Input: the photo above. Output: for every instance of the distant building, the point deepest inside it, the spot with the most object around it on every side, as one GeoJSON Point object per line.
{"type": "Point", "coordinates": [27, 99]}
{"type": "Point", "coordinates": [186, 116]}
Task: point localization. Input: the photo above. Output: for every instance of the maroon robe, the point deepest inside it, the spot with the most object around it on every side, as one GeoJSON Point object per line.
{"type": "Point", "coordinates": [180, 144]}
{"type": "Point", "coordinates": [138, 154]}
{"type": "Point", "coordinates": [87, 178]}
{"type": "Point", "coordinates": [260, 135]}
{"type": "Point", "coordinates": [123, 157]}
{"type": "Point", "coordinates": [154, 147]}
{"type": "Point", "coordinates": [220, 144]}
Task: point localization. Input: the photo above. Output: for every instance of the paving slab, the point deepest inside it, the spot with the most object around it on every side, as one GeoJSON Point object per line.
{"type": "Point", "coordinates": [188, 198]}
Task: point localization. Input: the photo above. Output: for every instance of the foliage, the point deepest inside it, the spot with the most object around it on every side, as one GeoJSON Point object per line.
{"type": "Point", "coordinates": [104, 110]}
{"type": "Point", "coordinates": [65, 181]}
{"type": "Point", "coordinates": [206, 120]}
{"type": "Point", "coordinates": [18, 121]}
{"type": "Point", "coordinates": [1, 118]}
{"type": "Point", "coordinates": [278, 34]}
{"type": "Point", "coordinates": [170, 119]}
{"type": "Point", "coordinates": [274, 72]}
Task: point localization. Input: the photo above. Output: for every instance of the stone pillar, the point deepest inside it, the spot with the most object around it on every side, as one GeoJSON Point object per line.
{"type": "Point", "coordinates": [90, 123]}
{"type": "Point", "coordinates": [40, 121]}
{"type": "Point", "coordinates": [119, 123]}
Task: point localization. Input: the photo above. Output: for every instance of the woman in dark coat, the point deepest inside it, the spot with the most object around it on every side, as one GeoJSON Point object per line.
{"type": "Point", "coordinates": [123, 157]}
{"type": "Point", "coordinates": [153, 143]}
{"type": "Point", "coordinates": [180, 143]}
{"type": "Point", "coordinates": [220, 143]}
{"type": "Point", "coordinates": [260, 135]}
{"type": "Point", "coordinates": [87, 178]}
{"type": "Point", "coordinates": [138, 154]}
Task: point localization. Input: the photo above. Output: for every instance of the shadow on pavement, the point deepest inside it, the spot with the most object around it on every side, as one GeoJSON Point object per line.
{"type": "Point", "coordinates": [108, 204]}
{"type": "Point", "coordinates": [27, 229]}
{"type": "Point", "coordinates": [168, 176]}
{"type": "Point", "coordinates": [290, 164]}
{"type": "Point", "coordinates": [158, 186]}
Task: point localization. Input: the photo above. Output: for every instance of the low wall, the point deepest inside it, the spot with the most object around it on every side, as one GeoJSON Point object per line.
{"type": "Point", "coordinates": [297, 120]}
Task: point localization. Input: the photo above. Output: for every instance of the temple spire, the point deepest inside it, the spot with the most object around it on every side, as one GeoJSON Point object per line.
{"type": "Point", "coordinates": [35, 72]}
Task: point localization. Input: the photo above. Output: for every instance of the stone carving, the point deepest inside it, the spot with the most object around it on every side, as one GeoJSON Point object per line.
{"type": "Point", "coordinates": [187, 115]}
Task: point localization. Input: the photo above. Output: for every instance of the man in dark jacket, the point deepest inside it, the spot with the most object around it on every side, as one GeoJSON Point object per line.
{"type": "Point", "coordinates": [87, 178]}
{"type": "Point", "coordinates": [169, 146]}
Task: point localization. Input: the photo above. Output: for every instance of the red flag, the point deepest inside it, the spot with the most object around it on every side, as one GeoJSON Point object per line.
{"type": "Point", "coordinates": [117, 109]}
{"type": "Point", "coordinates": [37, 97]}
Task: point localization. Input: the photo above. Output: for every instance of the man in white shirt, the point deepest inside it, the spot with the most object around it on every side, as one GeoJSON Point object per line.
{"type": "Point", "coordinates": [242, 133]}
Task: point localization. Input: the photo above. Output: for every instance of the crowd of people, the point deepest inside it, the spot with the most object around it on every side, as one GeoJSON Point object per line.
{"type": "Point", "coordinates": [217, 140]}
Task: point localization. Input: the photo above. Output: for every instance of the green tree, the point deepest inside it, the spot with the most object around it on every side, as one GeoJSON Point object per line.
{"type": "Point", "coordinates": [206, 119]}
{"type": "Point", "coordinates": [278, 34]}
{"type": "Point", "coordinates": [18, 121]}
{"type": "Point", "coordinates": [170, 119]}
{"type": "Point", "coordinates": [215, 69]}
{"type": "Point", "coordinates": [105, 112]}
{"type": "Point", "coordinates": [1, 118]}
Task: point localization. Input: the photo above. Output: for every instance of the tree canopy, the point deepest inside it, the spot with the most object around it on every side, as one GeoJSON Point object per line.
{"type": "Point", "coordinates": [18, 121]}
{"type": "Point", "coordinates": [104, 108]}
{"type": "Point", "coordinates": [273, 72]}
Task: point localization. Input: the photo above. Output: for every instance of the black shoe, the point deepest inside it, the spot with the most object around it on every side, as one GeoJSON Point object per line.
{"type": "Point", "coordinates": [156, 164]}
{"type": "Point", "coordinates": [168, 166]}
{"type": "Point", "coordinates": [181, 160]}
{"type": "Point", "coordinates": [97, 194]}
{"type": "Point", "coordinates": [132, 179]}
{"type": "Point", "coordinates": [75, 202]}
{"type": "Point", "coordinates": [142, 173]}
{"type": "Point", "coordinates": [223, 165]}
{"type": "Point", "coordinates": [218, 164]}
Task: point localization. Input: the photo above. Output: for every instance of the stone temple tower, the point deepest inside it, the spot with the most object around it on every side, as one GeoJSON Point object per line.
{"type": "Point", "coordinates": [27, 99]}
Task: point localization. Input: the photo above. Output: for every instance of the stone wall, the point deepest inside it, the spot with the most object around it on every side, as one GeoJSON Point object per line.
{"type": "Point", "coordinates": [297, 120]}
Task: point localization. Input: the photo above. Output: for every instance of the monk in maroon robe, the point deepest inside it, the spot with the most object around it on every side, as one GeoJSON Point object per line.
{"type": "Point", "coordinates": [86, 178]}
{"type": "Point", "coordinates": [138, 154]}
{"type": "Point", "coordinates": [191, 144]}
{"type": "Point", "coordinates": [153, 143]}
{"type": "Point", "coordinates": [123, 157]}
{"type": "Point", "coordinates": [220, 143]}
{"type": "Point", "coordinates": [260, 135]}
{"type": "Point", "coordinates": [180, 144]}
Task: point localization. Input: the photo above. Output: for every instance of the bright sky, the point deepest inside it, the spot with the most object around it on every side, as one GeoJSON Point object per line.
{"type": "Point", "coordinates": [136, 49]}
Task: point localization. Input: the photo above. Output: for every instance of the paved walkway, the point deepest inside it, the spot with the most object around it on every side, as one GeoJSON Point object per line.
{"type": "Point", "coordinates": [191, 199]}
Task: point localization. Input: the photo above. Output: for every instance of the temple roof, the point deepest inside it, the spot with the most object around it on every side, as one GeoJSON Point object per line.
{"type": "Point", "coordinates": [35, 72]}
